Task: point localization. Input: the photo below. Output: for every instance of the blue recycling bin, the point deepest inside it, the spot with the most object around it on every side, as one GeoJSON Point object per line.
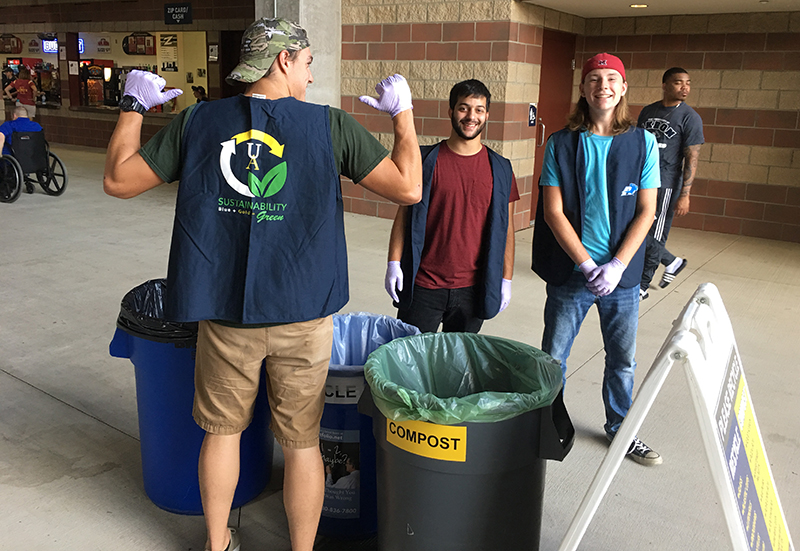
{"type": "Point", "coordinates": [163, 354]}
{"type": "Point", "coordinates": [347, 441]}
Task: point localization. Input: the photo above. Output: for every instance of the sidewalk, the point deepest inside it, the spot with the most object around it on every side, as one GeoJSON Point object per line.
{"type": "Point", "coordinates": [70, 471]}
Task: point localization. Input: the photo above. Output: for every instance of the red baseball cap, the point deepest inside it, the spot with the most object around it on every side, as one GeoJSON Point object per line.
{"type": "Point", "coordinates": [603, 61]}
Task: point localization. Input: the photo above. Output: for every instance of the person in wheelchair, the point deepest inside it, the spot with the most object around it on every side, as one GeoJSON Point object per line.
{"type": "Point", "coordinates": [18, 123]}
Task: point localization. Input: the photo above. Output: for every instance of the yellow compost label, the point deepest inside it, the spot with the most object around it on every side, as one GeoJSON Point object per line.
{"type": "Point", "coordinates": [443, 442]}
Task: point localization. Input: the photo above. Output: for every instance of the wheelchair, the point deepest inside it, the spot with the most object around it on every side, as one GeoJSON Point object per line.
{"type": "Point", "coordinates": [31, 162]}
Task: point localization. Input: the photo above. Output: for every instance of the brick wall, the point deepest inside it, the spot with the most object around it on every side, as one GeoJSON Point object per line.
{"type": "Point", "coordinates": [745, 71]}
{"type": "Point", "coordinates": [435, 45]}
{"type": "Point", "coordinates": [88, 128]}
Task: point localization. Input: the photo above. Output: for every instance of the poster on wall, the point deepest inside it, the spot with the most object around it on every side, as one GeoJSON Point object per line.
{"type": "Point", "coordinates": [139, 44]}
{"type": "Point", "coordinates": [103, 45]}
{"type": "Point", "coordinates": [33, 46]}
{"type": "Point", "coordinates": [10, 44]}
{"type": "Point", "coordinates": [169, 53]}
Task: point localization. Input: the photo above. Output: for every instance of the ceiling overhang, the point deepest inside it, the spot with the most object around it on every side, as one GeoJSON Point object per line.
{"type": "Point", "coordinates": [592, 9]}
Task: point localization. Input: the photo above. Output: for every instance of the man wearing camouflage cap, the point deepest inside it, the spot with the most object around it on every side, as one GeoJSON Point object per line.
{"type": "Point", "coordinates": [258, 253]}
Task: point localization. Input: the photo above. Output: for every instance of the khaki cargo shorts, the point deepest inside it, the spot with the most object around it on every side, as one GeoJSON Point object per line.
{"type": "Point", "coordinates": [228, 371]}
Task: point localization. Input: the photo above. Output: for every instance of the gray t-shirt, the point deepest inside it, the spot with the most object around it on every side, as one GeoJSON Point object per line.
{"type": "Point", "coordinates": [675, 128]}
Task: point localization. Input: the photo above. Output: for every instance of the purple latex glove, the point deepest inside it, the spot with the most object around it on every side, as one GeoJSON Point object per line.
{"type": "Point", "coordinates": [607, 277]}
{"type": "Point", "coordinates": [393, 279]}
{"type": "Point", "coordinates": [505, 294]}
{"type": "Point", "coordinates": [146, 88]}
{"type": "Point", "coordinates": [588, 268]}
{"type": "Point", "coordinates": [394, 96]}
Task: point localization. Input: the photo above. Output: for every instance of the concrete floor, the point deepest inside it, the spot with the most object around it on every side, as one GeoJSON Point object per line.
{"type": "Point", "coordinates": [70, 469]}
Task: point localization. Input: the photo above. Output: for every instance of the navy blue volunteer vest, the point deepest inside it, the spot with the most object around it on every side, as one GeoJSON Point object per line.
{"type": "Point", "coordinates": [259, 227]}
{"type": "Point", "coordinates": [624, 166]}
{"type": "Point", "coordinates": [495, 239]}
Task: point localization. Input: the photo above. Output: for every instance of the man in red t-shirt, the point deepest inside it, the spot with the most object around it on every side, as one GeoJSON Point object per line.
{"type": "Point", "coordinates": [466, 236]}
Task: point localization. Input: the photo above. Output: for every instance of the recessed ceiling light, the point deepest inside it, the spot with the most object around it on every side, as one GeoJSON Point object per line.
{"type": "Point", "coordinates": [638, 5]}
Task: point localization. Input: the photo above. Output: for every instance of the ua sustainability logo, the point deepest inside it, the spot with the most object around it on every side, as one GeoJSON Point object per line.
{"type": "Point", "coordinates": [263, 180]}
{"type": "Point", "coordinates": [258, 183]}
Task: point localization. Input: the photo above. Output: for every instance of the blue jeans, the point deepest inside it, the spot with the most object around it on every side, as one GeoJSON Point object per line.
{"type": "Point", "coordinates": [564, 312]}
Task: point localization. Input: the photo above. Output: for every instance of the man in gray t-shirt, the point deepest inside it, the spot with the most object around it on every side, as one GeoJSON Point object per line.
{"type": "Point", "coordinates": [679, 132]}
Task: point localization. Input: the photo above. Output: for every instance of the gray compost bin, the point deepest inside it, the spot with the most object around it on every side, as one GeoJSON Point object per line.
{"type": "Point", "coordinates": [463, 425]}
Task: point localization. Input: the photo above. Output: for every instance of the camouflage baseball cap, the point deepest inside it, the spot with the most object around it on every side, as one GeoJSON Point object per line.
{"type": "Point", "coordinates": [261, 44]}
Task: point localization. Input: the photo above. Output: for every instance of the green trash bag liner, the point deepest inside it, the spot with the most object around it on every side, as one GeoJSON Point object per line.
{"type": "Point", "coordinates": [449, 378]}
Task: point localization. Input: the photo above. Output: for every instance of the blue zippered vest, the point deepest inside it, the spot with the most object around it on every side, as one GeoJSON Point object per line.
{"type": "Point", "coordinates": [259, 225]}
{"type": "Point", "coordinates": [497, 223]}
{"type": "Point", "coordinates": [624, 165]}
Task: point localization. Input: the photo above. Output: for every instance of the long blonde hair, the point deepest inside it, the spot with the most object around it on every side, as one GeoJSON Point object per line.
{"type": "Point", "coordinates": [580, 118]}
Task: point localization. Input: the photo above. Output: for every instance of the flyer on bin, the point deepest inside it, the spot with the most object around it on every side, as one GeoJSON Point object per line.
{"type": "Point", "coordinates": [341, 456]}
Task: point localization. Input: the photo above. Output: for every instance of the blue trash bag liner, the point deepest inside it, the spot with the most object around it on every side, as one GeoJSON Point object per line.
{"type": "Point", "coordinates": [449, 378]}
{"type": "Point", "coordinates": [141, 314]}
{"type": "Point", "coordinates": [358, 334]}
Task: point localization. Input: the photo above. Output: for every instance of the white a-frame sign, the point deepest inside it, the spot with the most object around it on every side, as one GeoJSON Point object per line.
{"type": "Point", "coordinates": [702, 341]}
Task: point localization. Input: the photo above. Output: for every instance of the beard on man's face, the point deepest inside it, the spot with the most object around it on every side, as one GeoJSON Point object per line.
{"type": "Point", "coordinates": [456, 122]}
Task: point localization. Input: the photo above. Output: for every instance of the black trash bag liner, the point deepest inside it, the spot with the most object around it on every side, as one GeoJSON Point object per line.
{"type": "Point", "coordinates": [141, 314]}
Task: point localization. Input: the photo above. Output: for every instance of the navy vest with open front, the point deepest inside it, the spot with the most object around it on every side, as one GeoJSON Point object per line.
{"type": "Point", "coordinates": [495, 240]}
{"type": "Point", "coordinates": [624, 166]}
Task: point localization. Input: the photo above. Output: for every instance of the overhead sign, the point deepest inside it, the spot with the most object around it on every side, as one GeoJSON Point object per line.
{"type": "Point", "coordinates": [178, 14]}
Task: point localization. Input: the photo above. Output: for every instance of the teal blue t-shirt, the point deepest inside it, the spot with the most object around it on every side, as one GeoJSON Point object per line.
{"type": "Point", "coordinates": [596, 238]}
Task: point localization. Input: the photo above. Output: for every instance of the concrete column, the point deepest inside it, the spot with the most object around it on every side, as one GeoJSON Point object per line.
{"type": "Point", "coordinates": [322, 19]}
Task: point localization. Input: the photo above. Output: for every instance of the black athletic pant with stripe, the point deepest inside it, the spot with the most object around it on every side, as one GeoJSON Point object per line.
{"type": "Point", "coordinates": [656, 250]}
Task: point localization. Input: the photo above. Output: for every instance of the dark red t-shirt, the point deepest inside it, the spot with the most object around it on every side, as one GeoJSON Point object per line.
{"type": "Point", "coordinates": [24, 91]}
{"type": "Point", "coordinates": [461, 193]}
